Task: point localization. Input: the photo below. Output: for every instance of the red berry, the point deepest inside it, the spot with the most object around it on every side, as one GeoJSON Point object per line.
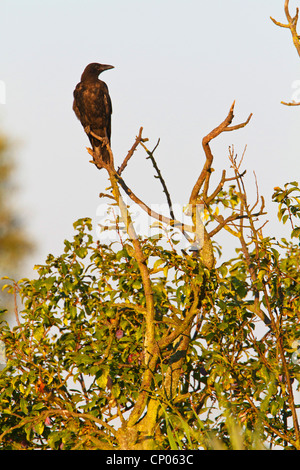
{"type": "Point", "coordinates": [119, 334]}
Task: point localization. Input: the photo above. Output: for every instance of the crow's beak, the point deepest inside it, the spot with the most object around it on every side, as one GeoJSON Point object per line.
{"type": "Point", "coordinates": [107, 67]}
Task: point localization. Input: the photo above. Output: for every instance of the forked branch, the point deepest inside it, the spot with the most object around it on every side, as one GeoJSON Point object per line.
{"type": "Point", "coordinates": [292, 26]}
{"type": "Point", "coordinates": [206, 170]}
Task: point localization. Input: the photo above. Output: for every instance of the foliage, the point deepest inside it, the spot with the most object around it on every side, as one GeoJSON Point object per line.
{"type": "Point", "coordinates": [143, 345]}
{"type": "Point", "coordinates": [289, 205]}
{"type": "Point", "coordinates": [75, 362]}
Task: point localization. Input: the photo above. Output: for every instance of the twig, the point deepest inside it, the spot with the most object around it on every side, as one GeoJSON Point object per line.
{"type": "Point", "coordinates": [292, 26]}
{"type": "Point", "coordinates": [110, 168]}
{"type": "Point", "coordinates": [282, 25]}
{"type": "Point", "coordinates": [239, 126]}
{"type": "Point", "coordinates": [159, 176]}
{"type": "Point", "coordinates": [152, 213]}
{"type": "Point", "coordinates": [106, 195]}
{"type": "Point", "coordinates": [229, 219]}
{"type": "Point", "coordinates": [245, 211]}
{"type": "Point", "coordinates": [138, 140]}
{"type": "Point", "coordinates": [257, 195]}
{"type": "Point", "coordinates": [96, 153]}
{"type": "Point", "coordinates": [16, 287]}
{"type": "Point", "coordinates": [290, 104]}
{"type": "Point", "coordinates": [219, 188]}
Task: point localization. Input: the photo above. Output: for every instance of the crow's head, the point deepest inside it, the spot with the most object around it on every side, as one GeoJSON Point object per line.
{"type": "Point", "coordinates": [93, 70]}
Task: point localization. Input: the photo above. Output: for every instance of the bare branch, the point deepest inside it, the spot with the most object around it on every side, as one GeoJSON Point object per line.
{"type": "Point", "coordinates": [279, 24]}
{"type": "Point", "coordinates": [208, 200]}
{"type": "Point", "coordinates": [138, 140]}
{"type": "Point", "coordinates": [239, 126]}
{"type": "Point", "coordinates": [290, 104]}
{"type": "Point", "coordinates": [97, 155]}
{"type": "Point", "coordinates": [205, 173]}
{"type": "Point", "coordinates": [292, 26]}
{"type": "Point", "coordinates": [209, 157]}
{"type": "Point", "coordinates": [97, 160]}
{"type": "Point", "coordinates": [159, 176]}
{"type": "Point", "coordinates": [223, 222]}
{"type": "Point", "coordinates": [257, 194]}
{"type": "Point", "coordinates": [286, 10]}
{"type": "Point", "coordinates": [242, 157]}
{"type": "Point", "coordinates": [152, 213]}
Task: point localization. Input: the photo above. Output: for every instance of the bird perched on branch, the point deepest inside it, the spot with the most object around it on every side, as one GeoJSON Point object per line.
{"type": "Point", "coordinates": [92, 106]}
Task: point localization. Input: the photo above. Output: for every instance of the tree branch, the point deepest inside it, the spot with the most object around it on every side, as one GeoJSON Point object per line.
{"type": "Point", "coordinates": [290, 104]}
{"type": "Point", "coordinates": [205, 173]}
{"type": "Point", "coordinates": [292, 26]}
{"type": "Point", "coordinates": [138, 140]}
{"type": "Point", "coordinates": [282, 25]}
{"type": "Point", "coordinates": [239, 126]}
{"type": "Point", "coordinates": [159, 176]}
{"type": "Point", "coordinates": [151, 212]}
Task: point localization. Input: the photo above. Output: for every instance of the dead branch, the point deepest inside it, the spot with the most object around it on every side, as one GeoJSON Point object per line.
{"type": "Point", "coordinates": [246, 211]}
{"type": "Point", "coordinates": [207, 200]}
{"type": "Point", "coordinates": [257, 195]}
{"type": "Point", "coordinates": [233, 159]}
{"type": "Point", "coordinates": [139, 139]}
{"type": "Point", "coordinates": [239, 126]}
{"type": "Point", "coordinates": [291, 25]}
{"type": "Point", "coordinates": [231, 218]}
{"type": "Point", "coordinates": [151, 212]}
{"type": "Point", "coordinates": [97, 160]}
{"type": "Point", "coordinates": [206, 170]}
{"type": "Point", "coordinates": [282, 25]}
{"type": "Point", "coordinates": [293, 103]}
{"type": "Point", "coordinates": [96, 153]}
{"type": "Point", "coordinates": [202, 237]}
{"type": "Point", "coordinates": [159, 176]}
{"type": "Point", "coordinates": [219, 188]}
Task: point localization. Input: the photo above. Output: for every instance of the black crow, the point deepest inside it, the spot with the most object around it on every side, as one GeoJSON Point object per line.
{"type": "Point", "coordinates": [92, 106]}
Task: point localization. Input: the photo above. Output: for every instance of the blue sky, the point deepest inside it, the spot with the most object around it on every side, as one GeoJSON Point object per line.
{"type": "Point", "coordinates": [178, 68]}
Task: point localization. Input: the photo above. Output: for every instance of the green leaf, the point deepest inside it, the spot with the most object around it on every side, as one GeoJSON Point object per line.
{"type": "Point", "coordinates": [165, 271]}
{"type": "Point", "coordinates": [23, 405]}
{"type": "Point", "coordinates": [158, 263]}
{"type": "Point", "coordinates": [285, 218]}
{"type": "Point", "coordinates": [296, 232]}
{"type": "Point", "coordinates": [39, 427]}
{"type": "Point", "coordinates": [137, 284]}
{"type": "Point", "coordinates": [81, 252]}
{"type": "Point", "coordinates": [38, 406]}
{"type": "Point", "coordinates": [116, 390]}
{"type": "Point", "coordinates": [102, 380]}
{"type": "Point", "coordinates": [53, 439]}
{"type": "Point", "coordinates": [39, 333]}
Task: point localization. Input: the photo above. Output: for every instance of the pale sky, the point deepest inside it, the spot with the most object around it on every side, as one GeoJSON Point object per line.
{"type": "Point", "coordinates": [178, 68]}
